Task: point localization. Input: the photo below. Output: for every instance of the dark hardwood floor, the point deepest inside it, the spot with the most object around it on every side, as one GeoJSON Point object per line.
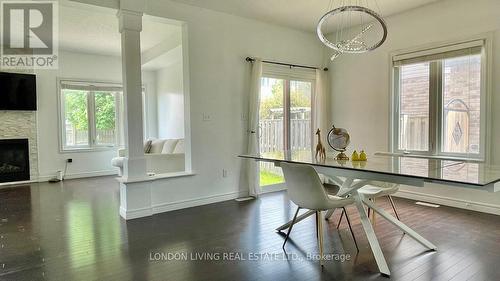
{"type": "Point", "coordinates": [72, 231]}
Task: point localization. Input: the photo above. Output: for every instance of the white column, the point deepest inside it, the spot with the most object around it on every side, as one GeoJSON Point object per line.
{"type": "Point", "coordinates": [130, 29]}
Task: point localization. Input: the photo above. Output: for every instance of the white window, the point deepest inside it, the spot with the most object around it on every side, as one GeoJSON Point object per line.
{"type": "Point", "coordinates": [440, 101]}
{"type": "Point", "coordinates": [91, 115]}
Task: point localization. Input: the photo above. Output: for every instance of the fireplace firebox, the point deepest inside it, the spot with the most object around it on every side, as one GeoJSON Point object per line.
{"type": "Point", "coordinates": [14, 160]}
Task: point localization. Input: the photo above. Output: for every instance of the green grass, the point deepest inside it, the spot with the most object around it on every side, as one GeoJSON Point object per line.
{"type": "Point", "coordinates": [267, 178]}
{"type": "Point", "coordinates": [270, 178]}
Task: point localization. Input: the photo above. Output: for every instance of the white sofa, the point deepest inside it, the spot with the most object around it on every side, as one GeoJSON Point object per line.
{"type": "Point", "coordinates": [162, 156]}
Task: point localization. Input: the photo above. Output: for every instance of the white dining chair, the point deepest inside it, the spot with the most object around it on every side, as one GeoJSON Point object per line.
{"type": "Point", "coordinates": [306, 190]}
{"type": "Point", "coordinates": [373, 191]}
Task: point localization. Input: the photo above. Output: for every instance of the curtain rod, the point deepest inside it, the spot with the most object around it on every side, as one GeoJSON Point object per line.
{"type": "Point", "coordinates": [249, 59]}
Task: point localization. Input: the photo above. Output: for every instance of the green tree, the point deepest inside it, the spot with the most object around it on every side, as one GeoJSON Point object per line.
{"type": "Point", "coordinates": [105, 112]}
{"type": "Point", "coordinates": [300, 94]}
{"type": "Point", "coordinates": [273, 101]}
{"type": "Point", "coordinates": [77, 110]}
{"type": "Point", "coordinates": [299, 97]}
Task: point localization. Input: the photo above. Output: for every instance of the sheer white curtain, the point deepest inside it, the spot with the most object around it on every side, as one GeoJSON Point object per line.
{"type": "Point", "coordinates": [320, 111]}
{"type": "Point", "coordinates": [253, 128]}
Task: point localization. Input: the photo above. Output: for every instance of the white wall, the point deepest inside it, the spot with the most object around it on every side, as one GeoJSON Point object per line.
{"type": "Point", "coordinates": [360, 83]}
{"type": "Point", "coordinates": [218, 85]}
{"type": "Point", "coordinates": [217, 46]}
{"type": "Point", "coordinates": [170, 98]}
{"type": "Point", "coordinates": [151, 114]}
{"type": "Point", "coordinates": [76, 66]}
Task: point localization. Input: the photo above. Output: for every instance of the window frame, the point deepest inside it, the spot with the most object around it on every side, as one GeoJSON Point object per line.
{"type": "Point", "coordinates": [92, 145]}
{"type": "Point", "coordinates": [436, 106]}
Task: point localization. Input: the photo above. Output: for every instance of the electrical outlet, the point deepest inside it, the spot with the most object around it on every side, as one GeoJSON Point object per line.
{"type": "Point", "coordinates": [69, 160]}
{"type": "Point", "coordinates": [224, 173]}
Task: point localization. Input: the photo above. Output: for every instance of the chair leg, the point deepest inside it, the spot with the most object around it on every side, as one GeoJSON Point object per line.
{"type": "Point", "coordinates": [341, 216]}
{"type": "Point", "coordinates": [373, 217]}
{"type": "Point", "coordinates": [291, 226]}
{"type": "Point", "coordinates": [319, 225]}
{"type": "Point", "coordinates": [393, 206]}
{"type": "Point", "coordinates": [350, 228]}
{"type": "Point", "coordinates": [329, 213]}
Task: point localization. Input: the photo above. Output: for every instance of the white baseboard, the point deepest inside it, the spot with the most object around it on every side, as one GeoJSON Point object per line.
{"type": "Point", "coordinates": [15, 183]}
{"type": "Point", "coordinates": [90, 174]}
{"type": "Point", "coordinates": [448, 201]}
{"type": "Point", "coordinates": [45, 178]}
{"type": "Point", "coordinates": [171, 206]}
{"type": "Point", "coordinates": [135, 214]}
{"type": "Point", "coordinates": [183, 204]}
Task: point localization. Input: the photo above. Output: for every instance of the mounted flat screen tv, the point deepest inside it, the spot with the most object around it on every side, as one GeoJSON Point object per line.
{"type": "Point", "coordinates": [17, 91]}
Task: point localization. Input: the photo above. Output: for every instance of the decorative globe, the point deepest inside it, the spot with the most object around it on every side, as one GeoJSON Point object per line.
{"type": "Point", "coordinates": [339, 139]}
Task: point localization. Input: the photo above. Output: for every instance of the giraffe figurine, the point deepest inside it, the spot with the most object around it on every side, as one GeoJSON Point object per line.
{"type": "Point", "coordinates": [320, 149]}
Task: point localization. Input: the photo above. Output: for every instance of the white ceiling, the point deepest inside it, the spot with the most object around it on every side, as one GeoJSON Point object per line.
{"type": "Point", "coordinates": [298, 14]}
{"type": "Point", "coordinates": [96, 32]}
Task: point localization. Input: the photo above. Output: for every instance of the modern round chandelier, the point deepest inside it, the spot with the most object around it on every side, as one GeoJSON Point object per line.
{"type": "Point", "coordinates": [351, 28]}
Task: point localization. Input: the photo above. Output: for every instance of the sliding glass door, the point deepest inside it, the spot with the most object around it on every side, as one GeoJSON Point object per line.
{"type": "Point", "coordinates": [271, 128]}
{"type": "Point", "coordinates": [300, 131]}
{"type": "Point", "coordinates": [284, 122]}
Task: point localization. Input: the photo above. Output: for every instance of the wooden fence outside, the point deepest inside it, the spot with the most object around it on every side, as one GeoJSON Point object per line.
{"type": "Point", "coordinates": [271, 135]}
{"type": "Point", "coordinates": [271, 139]}
{"type": "Point", "coordinates": [80, 137]}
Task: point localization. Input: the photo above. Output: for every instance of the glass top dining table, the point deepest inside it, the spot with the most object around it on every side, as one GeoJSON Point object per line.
{"type": "Point", "coordinates": [453, 172]}
{"type": "Point", "coordinates": [390, 168]}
